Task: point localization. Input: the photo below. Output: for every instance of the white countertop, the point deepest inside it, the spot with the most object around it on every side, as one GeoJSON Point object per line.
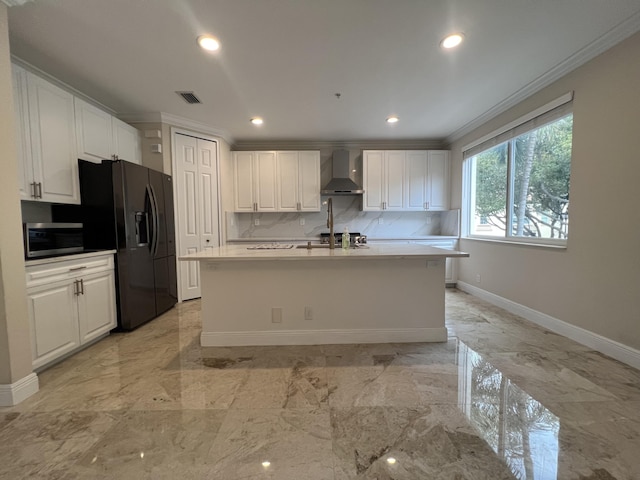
{"type": "Point", "coordinates": [71, 256]}
{"type": "Point", "coordinates": [386, 251]}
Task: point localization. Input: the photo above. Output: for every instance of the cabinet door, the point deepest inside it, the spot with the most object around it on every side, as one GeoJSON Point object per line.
{"type": "Point", "coordinates": [126, 141]}
{"type": "Point", "coordinates": [53, 316]}
{"type": "Point", "coordinates": [372, 180]}
{"type": "Point", "coordinates": [265, 181]}
{"type": "Point", "coordinates": [93, 132]}
{"type": "Point", "coordinates": [23, 142]}
{"type": "Point", "coordinates": [394, 180]}
{"type": "Point", "coordinates": [309, 181]}
{"type": "Point", "coordinates": [416, 180]}
{"type": "Point", "coordinates": [438, 180]}
{"type": "Point", "coordinates": [96, 306]}
{"type": "Point", "coordinates": [53, 141]}
{"type": "Point", "coordinates": [243, 197]}
{"type": "Point", "coordinates": [287, 197]}
{"type": "Point", "coordinates": [208, 193]}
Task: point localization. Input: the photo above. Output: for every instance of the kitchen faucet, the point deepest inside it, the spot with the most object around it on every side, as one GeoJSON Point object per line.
{"type": "Point", "coordinates": [332, 238]}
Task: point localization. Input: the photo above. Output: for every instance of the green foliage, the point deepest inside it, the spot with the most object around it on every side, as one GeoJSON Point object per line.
{"type": "Point", "coordinates": [541, 174]}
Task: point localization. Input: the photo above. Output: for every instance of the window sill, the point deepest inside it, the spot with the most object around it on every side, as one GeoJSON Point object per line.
{"type": "Point", "coordinates": [561, 245]}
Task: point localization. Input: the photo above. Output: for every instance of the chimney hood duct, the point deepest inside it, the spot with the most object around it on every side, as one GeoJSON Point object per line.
{"type": "Point", "coordinates": [340, 183]}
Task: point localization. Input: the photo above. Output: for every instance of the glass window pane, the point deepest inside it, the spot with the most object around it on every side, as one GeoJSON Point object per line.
{"type": "Point", "coordinates": [489, 192]}
{"type": "Point", "coordinates": [541, 167]}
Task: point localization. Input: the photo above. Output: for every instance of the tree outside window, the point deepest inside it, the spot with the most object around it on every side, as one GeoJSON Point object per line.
{"type": "Point", "coordinates": [527, 176]}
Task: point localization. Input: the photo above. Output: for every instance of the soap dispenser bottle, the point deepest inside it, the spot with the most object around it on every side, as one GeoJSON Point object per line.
{"type": "Point", "coordinates": [346, 239]}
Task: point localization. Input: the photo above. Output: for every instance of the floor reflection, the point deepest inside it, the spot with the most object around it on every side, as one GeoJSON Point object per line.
{"type": "Point", "coordinates": [517, 427]}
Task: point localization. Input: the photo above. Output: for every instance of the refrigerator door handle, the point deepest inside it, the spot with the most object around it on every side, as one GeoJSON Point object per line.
{"type": "Point", "coordinates": [154, 220]}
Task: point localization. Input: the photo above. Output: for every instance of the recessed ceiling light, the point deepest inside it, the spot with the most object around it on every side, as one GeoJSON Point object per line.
{"type": "Point", "coordinates": [391, 460]}
{"type": "Point", "coordinates": [393, 119]}
{"type": "Point", "coordinates": [208, 42]}
{"type": "Point", "coordinates": [451, 41]}
{"type": "Point", "coordinates": [257, 121]}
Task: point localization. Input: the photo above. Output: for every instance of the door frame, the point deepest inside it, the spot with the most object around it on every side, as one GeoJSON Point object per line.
{"type": "Point", "coordinates": [181, 131]}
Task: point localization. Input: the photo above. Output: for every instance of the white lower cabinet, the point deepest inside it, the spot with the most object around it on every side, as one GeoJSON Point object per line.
{"type": "Point", "coordinates": [70, 303]}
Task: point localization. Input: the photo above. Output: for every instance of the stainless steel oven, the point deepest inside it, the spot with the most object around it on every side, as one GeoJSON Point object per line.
{"type": "Point", "coordinates": [48, 239]}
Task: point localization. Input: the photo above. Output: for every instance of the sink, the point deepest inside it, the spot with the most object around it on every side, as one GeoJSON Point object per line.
{"type": "Point", "coordinates": [326, 245]}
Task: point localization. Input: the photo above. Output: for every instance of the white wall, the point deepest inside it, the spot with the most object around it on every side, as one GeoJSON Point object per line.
{"type": "Point", "coordinates": [595, 283]}
{"type": "Point", "coordinates": [15, 340]}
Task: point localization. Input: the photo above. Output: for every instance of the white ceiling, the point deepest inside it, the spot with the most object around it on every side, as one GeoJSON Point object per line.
{"type": "Point", "coordinates": [285, 60]}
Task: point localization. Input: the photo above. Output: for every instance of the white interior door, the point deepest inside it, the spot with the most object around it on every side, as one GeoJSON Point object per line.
{"type": "Point", "coordinates": [196, 198]}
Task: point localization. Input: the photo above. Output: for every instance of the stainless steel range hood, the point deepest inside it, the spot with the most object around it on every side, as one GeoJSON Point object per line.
{"type": "Point", "coordinates": [340, 183]}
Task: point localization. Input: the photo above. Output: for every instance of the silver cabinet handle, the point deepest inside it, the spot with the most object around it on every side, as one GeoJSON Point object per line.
{"type": "Point", "coordinates": [33, 189]}
{"type": "Point", "coordinates": [75, 269]}
{"type": "Point", "coordinates": [81, 286]}
{"type": "Point", "coordinates": [427, 205]}
{"type": "Point", "coordinates": [75, 287]}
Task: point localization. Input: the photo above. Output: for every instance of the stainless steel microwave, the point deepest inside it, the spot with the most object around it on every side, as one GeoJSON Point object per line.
{"type": "Point", "coordinates": [47, 239]}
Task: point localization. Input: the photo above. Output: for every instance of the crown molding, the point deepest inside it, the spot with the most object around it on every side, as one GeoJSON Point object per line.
{"type": "Point", "coordinates": [390, 144]}
{"type": "Point", "coordinates": [176, 121]}
{"type": "Point", "coordinates": [614, 36]}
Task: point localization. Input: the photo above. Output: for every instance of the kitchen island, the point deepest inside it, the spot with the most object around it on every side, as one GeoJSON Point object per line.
{"type": "Point", "coordinates": [301, 296]}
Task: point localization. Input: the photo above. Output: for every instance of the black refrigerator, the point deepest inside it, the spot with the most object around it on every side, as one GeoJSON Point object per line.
{"type": "Point", "coordinates": [129, 207]}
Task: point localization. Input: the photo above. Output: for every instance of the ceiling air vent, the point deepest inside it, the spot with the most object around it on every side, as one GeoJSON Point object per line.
{"type": "Point", "coordinates": [189, 97]}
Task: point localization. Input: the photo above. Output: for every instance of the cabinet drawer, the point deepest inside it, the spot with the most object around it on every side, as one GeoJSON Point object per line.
{"type": "Point", "coordinates": [66, 269]}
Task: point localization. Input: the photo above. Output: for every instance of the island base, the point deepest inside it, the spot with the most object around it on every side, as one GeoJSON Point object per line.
{"type": "Point", "coordinates": [312, 302]}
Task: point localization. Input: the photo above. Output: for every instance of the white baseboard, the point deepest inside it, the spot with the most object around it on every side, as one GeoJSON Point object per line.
{"type": "Point", "coordinates": [16, 392]}
{"type": "Point", "coordinates": [609, 347]}
{"type": "Point", "coordinates": [322, 337]}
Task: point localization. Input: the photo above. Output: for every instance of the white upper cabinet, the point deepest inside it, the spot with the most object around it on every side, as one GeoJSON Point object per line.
{"type": "Point", "coordinates": [406, 180]}
{"type": "Point", "coordinates": [373, 180]}
{"type": "Point", "coordinates": [309, 181]}
{"type": "Point", "coordinates": [438, 180]}
{"type": "Point", "coordinates": [283, 181]}
{"type": "Point", "coordinates": [243, 188]}
{"type": "Point", "coordinates": [23, 139]}
{"type": "Point", "coordinates": [54, 129]}
{"type": "Point", "coordinates": [126, 141]}
{"type": "Point", "coordinates": [255, 181]}
{"type": "Point", "coordinates": [93, 131]}
{"type": "Point", "coordinates": [383, 180]}
{"type": "Point", "coordinates": [265, 181]}
{"type": "Point", "coordinates": [54, 173]}
{"type": "Point", "coordinates": [298, 181]}
{"type": "Point", "coordinates": [101, 136]}
{"type": "Point", "coordinates": [417, 168]}
{"type": "Point", "coordinates": [287, 188]}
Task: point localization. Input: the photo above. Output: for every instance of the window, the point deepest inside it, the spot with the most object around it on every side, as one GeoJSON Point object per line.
{"type": "Point", "coordinates": [519, 180]}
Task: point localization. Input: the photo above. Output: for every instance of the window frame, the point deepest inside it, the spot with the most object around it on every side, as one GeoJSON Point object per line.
{"type": "Point", "coordinates": [492, 140]}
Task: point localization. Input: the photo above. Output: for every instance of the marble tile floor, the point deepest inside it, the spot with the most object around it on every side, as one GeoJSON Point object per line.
{"type": "Point", "coordinates": [502, 399]}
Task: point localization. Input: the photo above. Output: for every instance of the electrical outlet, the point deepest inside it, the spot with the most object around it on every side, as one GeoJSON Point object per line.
{"type": "Point", "coordinates": [380, 221]}
{"type": "Point", "coordinates": [428, 220]}
{"type": "Point", "coordinates": [256, 222]}
{"type": "Point", "coordinates": [276, 315]}
{"type": "Point", "coordinates": [478, 278]}
{"type": "Point", "coordinates": [308, 313]}
{"type": "Point", "coordinates": [302, 221]}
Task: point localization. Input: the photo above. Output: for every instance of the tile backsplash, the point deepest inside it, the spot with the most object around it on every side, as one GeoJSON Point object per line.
{"type": "Point", "coordinates": [346, 212]}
